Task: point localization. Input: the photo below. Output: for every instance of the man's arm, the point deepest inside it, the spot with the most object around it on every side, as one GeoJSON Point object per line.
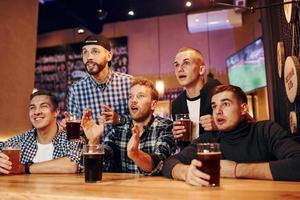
{"type": "Point", "coordinates": [207, 123]}
{"type": "Point", "coordinates": [184, 157]}
{"type": "Point", "coordinates": [5, 164]}
{"type": "Point", "coordinates": [190, 173]}
{"type": "Point", "coordinates": [92, 131]}
{"type": "Point", "coordinates": [111, 117]}
{"type": "Point", "coordinates": [253, 171]}
{"type": "Point", "coordinates": [286, 150]}
{"type": "Point", "coordinates": [60, 165]}
{"type": "Point", "coordinates": [281, 146]}
{"type": "Point", "coordinates": [162, 147]}
{"type": "Point", "coordinates": [231, 169]}
{"type": "Point", "coordinates": [140, 158]}
{"type": "Point", "coordinates": [179, 171]}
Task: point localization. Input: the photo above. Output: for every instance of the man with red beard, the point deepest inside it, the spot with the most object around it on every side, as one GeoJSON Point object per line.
{"type": "Point", "coordinates": [44, 149]}
{"type": "Point", "coordinates": [144, 142]}
{"type": "Point", "coordinates": [104, 91]}
{"type": "Point", "coordinates": [255, 150]}
{"type": "Point", "coordinates": [195, 99]}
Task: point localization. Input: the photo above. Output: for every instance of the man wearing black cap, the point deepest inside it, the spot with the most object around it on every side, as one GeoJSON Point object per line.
{"type": "Point", "coordinates": [104, 91]}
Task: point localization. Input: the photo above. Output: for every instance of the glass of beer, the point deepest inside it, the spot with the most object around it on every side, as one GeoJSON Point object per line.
{"type": "Point", "coordinates": [12, 150]}
{"type": "Point", "coordinates": [93, 159]}
{"type": "Point", "coordinates": [188, 125]}
{"type": "Point", "coordinates": [73, 127]}
{"type": "Point", "coordinates": [209, 154]}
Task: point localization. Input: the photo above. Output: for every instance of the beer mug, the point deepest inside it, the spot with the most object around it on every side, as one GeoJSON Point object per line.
{"type": "Point", "coordinates": [12, 150]}
{"type": "Point", "coordinates": [188, 125]}
{"type": "Point", "coordinates": [209, 154]}
{"type": "Point", "coordinates": [93, 160]}
{"type": "Point", "coordinates": [73, 127]}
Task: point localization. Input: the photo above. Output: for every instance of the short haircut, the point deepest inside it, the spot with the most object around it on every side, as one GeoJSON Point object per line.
{"type": "Point", "coordinates": [147, 83]}
{"type": "Point", "coordinates": [199, 58]}
{"type": "Point", "coordinates": [53, 98]}
{"type": "Point", "coordinates": [237, 92]}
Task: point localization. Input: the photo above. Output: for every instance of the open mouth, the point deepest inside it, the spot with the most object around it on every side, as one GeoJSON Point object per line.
{"type": "Point", "coordinates": [134, 108]}
{"type": "Point", "coordinates": [181, 76]}
{"type": "Point", "coordinates": [220, 121]}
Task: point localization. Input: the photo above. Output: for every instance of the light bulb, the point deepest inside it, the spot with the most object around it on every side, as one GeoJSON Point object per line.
{"type": "Point", "coordinates": [160, 86]}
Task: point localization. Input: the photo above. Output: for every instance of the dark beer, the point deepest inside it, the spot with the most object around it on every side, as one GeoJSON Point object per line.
{"type": "Point", "coordinates": [211, 166]}
{"type": "Point", "coordinates": [188, 125]}
{"type": "Point", "coordinates": [73, 130]}
{"type": "Point", "coordinates": [93, 167]}
{"type": "Point", "coordinates": [14, 157]}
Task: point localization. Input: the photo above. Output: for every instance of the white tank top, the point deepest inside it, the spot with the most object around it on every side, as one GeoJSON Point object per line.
{"type": "Point", "coordinates": [44, 153]}
{"type": "Point", "coordinates": [194, 113]}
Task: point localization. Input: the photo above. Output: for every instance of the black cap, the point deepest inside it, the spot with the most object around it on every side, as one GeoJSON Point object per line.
{"type": "Point", "coordinates": [97, 40]}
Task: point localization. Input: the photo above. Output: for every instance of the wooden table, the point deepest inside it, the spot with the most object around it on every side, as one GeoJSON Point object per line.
{"type": "Point", "coordinates": [131, 186]}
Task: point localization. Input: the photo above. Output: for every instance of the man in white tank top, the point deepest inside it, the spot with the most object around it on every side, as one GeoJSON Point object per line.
{"type": "Point", "coordinates": [195, 99]}
{"type": "Point", "coordinates": [44, 149]}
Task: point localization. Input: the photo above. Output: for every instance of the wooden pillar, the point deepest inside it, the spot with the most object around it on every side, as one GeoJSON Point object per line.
{"type": "Point", "coordinates": [18, 36]}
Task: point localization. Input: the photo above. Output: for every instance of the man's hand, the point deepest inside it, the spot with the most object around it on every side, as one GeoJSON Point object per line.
{"type": "Point", "coordinates": [207, 122]}
{"type": "Point", "coordinates": [178, 129]}
{"type": "Point", "coordinates": [109, 116]}
{"type": "Point", "coordinates": [92, 131]}
{"type": "Point", "coordinates": [5, 164]}
{"type": "Point", "coordinates": [194, 176]}
{"type": "Point", "coordinates": [63, 124]}
{"type": "Point", "coordinates": [133, 143]}
{"type": "Point", "coordinates": [228, 169]}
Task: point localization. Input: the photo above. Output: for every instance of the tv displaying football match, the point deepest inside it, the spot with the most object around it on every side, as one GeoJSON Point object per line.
{"type": "Point", "coordinates": [246, 68]}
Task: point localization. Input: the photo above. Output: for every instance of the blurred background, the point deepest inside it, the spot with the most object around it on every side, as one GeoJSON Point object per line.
{"type": "Point", "coordinates": [40, 48]}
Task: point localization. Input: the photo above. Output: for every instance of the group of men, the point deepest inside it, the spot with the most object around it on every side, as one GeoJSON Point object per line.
{"type": "Point", "coordinates": [117, 111]}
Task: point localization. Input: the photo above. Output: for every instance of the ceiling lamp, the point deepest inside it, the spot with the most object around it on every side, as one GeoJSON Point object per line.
{"type": "Point", "coordinates": [159, 83]}
{"type": "Point", "coordinates": [188, 4]}
{"type": "Point", "coordinates": [131, 13]}
{"type": "Point", "coordinates": [160, 86]}
{"type": "Point", "coordinates": [80, 31]}
{"type": "Point", "coordinates": [101, 14]}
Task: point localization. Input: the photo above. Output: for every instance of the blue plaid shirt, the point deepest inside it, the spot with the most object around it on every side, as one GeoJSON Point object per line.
{"type": "Point", "coordinates": [87, 93]}
{"type": "Point", "coordinates": [157, 140]}
{"type": "Point", "coordinates": [62, 146]}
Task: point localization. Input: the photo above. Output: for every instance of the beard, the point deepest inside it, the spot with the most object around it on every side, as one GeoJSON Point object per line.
{"type": "Point", "coordinates": [94, 68]}
{"type": "Point", "coordinates": [140, 116]}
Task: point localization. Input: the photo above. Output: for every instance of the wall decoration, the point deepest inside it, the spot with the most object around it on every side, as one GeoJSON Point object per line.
{"type": "Point", "coordinates": [280, 57]}
{"type": "Point", "coordinates": [292, 77]}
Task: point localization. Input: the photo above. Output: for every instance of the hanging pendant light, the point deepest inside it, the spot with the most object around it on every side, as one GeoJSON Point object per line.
{"type": "Point", "coordinates": [159, 83]}
{"type": "Point", "coordinates": [160, 86]}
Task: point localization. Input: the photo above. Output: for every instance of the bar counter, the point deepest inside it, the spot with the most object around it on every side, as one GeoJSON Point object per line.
{"type": "Point", "coordinates": [132, 186]}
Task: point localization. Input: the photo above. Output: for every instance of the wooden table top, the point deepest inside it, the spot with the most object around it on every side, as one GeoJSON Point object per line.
{"type": "Point", "coordinates": [132, 186]}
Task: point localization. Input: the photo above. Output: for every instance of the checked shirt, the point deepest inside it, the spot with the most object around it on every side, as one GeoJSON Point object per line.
{"type": "Point", "coordinates": [87, 93]}
{"type": "Point", "coordinates": [62, 146]}
{"type": "Point", "coordinates": [157, 140]}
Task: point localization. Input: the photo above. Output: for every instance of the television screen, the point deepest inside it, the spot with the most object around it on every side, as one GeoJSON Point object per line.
{"type": "Point", "coordinates": [246, 68]}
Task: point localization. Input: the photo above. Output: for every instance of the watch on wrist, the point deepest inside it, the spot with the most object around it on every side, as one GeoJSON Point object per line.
{"type": "Point", "coordinates": [27, 167]}
{"type": "Point", "coordinates": [121, 120]}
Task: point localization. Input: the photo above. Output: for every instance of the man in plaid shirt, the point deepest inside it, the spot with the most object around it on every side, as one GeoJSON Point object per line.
{"type": "Point", "coordinates": [104, 91]}
{"type": "Point", "coordinates": [44, 149]}
{"type": "Point", "coordinates": [143, 143]}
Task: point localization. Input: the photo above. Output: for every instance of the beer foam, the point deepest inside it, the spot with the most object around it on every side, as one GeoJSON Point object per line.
{"type": "Point", "coordinates": [209, 153]}
{"type": "Point", "coordinates": [74, 121]}
{"type": "Point", "coordinates": [93, 153]}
